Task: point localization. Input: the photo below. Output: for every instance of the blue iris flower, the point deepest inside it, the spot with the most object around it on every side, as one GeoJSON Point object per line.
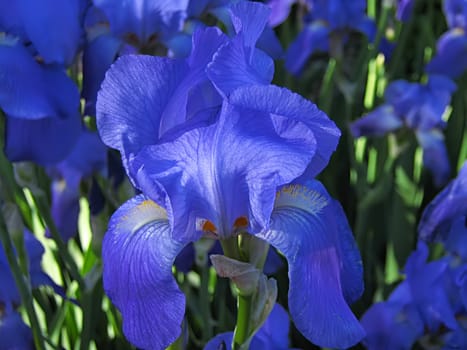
{"type": "Point", "coordinates": [273, 335]}
{"type": "Point", "coordinates": [325, 17]}
{"type": "Point", "coordinates": [448, 209]}
{"type": "Point", "coordinates": [216, 150]}
{"type": "Point", "coordinates": [39, 41]}
{"type": "Point", "coordinates": [418, 107]}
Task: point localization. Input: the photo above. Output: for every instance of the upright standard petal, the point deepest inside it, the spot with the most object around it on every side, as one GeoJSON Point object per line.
{"type": "Point", "coordinates": [132, 99]}
{"type": "Point", "coordinates": [238, 62]}
{"type": "Point", "coordinates": [325, 267]}
{"type": "Point", "coordinates": [250, 19]}
{"type": "Point", "coordinates": [232, 68]}
{"type": "Point", "coordinates": [143, 97]}
{"type": "Point", "coordinates": [138, 254]}
{"type": "Point", "coordinates": [226, 171]}
{"type": "Point", "coordinates": [292, 115]}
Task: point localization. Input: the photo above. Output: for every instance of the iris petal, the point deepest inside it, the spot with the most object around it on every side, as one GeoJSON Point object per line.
{"type": "Point", "coordinates": [98, 55]}
{"type": "Point", "coordinates": [29, 89]}
{"type": "Point", "coordinates": [449, 204]}
{"type": "Point", "coordinates": [231, 67]}
{"type": "Point", "coordinates": [14, 332]}
{"type": "Point", "coordinates": [297, 114]}
{"type": "Point", "coordinates": [54, 27]}
{"type": "Point", "coordinates": [45, 141]}
{"type": "Point", "coordinates": [138, 254]}
{"type": "Point", "coordinates": [451, 46]}
{"type": "Point", "coordinates": [143, 97]}
{"type": "Point", "coordinates": [304, 229]}
{"type": "Point", "coordinates": [132, 99]}
{"type": "Point", "coordinates": [249, 19]}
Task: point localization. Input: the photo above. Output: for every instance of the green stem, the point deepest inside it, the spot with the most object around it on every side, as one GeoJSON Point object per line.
{"type": "Point", "coordinates": [241, 340]}
{"type": "Point", "coordinates": [205, 303]}
{"type": "Point", "coordinates": [326, 92]}
{"type": "Point", "coordinates": [230, 247]}
{"type": "Point", "coordinates": [23, 288]}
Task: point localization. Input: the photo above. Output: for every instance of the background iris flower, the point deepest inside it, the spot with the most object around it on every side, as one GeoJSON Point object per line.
{"type": "Point", "coordinates": [449, 206]}
{"type": "Point", "coordinates": [324, 18]}
{"type": "Point", "coordinates": [88, 156]}
{"type": "Point", "coordinates": [420, 108]}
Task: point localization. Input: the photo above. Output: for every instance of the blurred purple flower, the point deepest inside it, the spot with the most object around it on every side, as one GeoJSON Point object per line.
{"type": "Point", "coordinates": [428, 301]}
{"type": "Point", "coordinates": [87, 157]}
{"type": "Point", "coordinates": [419, 108]}
{"type": "Point", "coordinates": [456, 13]}
{"type": "Point", "coordinates": [13, 331]}
{"type": "Point", "coordinates": [324, 18]}
{"type": "Point", "coordinates": [392, 324]}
